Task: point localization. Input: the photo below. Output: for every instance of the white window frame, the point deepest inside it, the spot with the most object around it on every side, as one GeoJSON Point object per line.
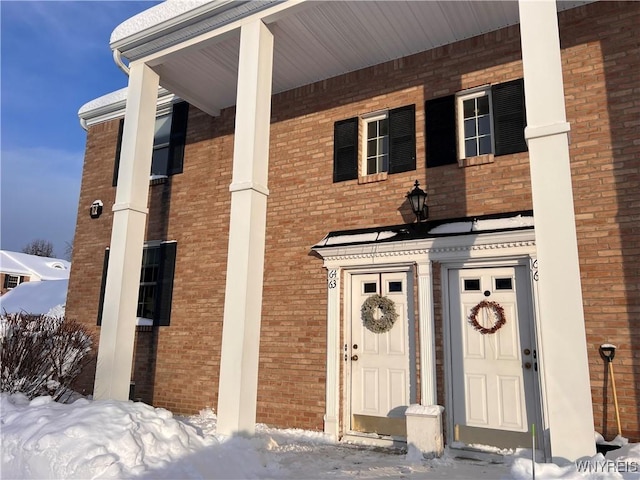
{"type": "Point", "coordinates": [142, 284]}
{"type": "Point", "coordinates": [366, 120]}
{"type": "Point", "coordinates": [10, 279]}
{"type": "Point", "coordinates": [157, 145]}
{"type": "Point", "coordinates": [470, 94]}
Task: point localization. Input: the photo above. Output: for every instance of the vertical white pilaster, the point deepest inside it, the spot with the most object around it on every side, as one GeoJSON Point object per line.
{"type": "Point", "coordinates": [428, 384]}
{"type": "Point", "coordinates": [334, 354]}
{"type": "Point", "coordinates": [117, 334]}
{"type": "Point", "coordinates": [562, 338]}
{"type": "Point", "coordinates": [245, 260]}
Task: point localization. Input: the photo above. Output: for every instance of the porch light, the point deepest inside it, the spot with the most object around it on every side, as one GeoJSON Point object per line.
{"type": "Point", "coordinates": [418, 200]}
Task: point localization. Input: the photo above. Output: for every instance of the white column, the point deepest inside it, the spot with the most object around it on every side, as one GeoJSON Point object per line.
{"type": "Point", "coordinates": [238, 386]}
{"type": "Point", "coordinates": [117, 334]}
{"type": "Point", "coordinates": [334, 354]}
{"type": "Point", "coordinates": [428, 384]}
{"type": "Point", "coordinates": [562, 338]}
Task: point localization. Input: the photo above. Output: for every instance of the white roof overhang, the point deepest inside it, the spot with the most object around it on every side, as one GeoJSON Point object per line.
{"type": "Point", "coordinates": [194, 45]}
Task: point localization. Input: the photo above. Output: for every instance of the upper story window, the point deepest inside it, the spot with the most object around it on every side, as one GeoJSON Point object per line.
{"type": "Point", "coordinates": [161, 144]}
{"type": "Point", "coordinates": [388, 144]}
{"type": "Point", "coordinates": [168, 143]}
{"type": "Point", "coordinates": [474, 123]}
{"type": "Point", "coordinates": [483, 121]}
{"type": "Point", "coordinates": [377, 144]}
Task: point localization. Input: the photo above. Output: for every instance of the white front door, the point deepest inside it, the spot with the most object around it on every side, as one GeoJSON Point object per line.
{"type": "Point", "coordinates": [493, 374]}
{"type": "Point", "coordinates": [380, 371]}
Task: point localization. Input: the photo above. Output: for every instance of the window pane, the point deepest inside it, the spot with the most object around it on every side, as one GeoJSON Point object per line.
{"type": "Point", "coordinates": [504, 284]}
{"type": "Point", "coordinates": [469, 107]}
{"type": "Point", "coordinates": [148, 282]}
{"type": "Point", "coordinates": [371, 165]}
{"type": "Point", "coordinates": [146, 298]}
{"type": "Point", "coordinates": [384, 127]}
{"type": "Point", "coordinates": [371, 148]}
{"type": "Point", "coordinates": [470, 128]}
{"type": "Point", "coordinates": [384, 163]}
{"type": "Point", "coordinates": [382, 142]}
{"type": "Point", "coordinates": [483, 105]}
{"type": "Point", "coordinates": [485, 145]}
{"type": "Point", "coordinates": [484, 125]}
{"type": "Point", "coordinates": [472, 284]}
{"type": "Point", "coordinates": [395, 287]}
{"type": "Point", "coordinates": [470, 148]}
{"type": "Point", "coordinates": [372, 130]}
{"type": "Point", "coordinates": [370, 287]}
{"type": "Point", "coordinates": [163, 130]}
{"type": "Point", "coordinates": [160, 161]}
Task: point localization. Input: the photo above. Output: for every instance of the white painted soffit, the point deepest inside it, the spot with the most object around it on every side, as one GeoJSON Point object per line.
{"type": "Point", "coordinates": [194, 45]}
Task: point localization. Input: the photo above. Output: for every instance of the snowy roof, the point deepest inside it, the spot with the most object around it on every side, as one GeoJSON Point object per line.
{"type": "Point", "coordinates": [45, 268]}
{"type": "Point", "coordinates": [112, 105]}
{"type": "Point", "coordinates": [155, 15]}
{"type": "Point", "coordinates": [37, 298]}
{"type": "Point", "coordinates": [430, 229]}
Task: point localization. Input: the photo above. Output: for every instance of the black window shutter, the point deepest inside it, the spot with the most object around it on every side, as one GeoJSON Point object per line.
{"type": "Point", "coordinates": [509, 119]}
{"type": "Point", "coordinates": [402, 139]}
{"type": "Point", "coordinates": [440, 131]}
{"type": "Point", "coordinates": [116, 165]}
{"type": "Point", "coordinates": [178, 137]}
{"type": "Point", "coordinates": [103, 285]}
{"type": "Point", "coordinates": [345, 150]}
{"type": "Point", "coordinates": [6, 281]}
{"type": "Point", "coordinates": [164, 291]}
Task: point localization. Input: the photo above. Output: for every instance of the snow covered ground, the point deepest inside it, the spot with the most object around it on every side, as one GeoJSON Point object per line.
{"type": "Point", "coordinates": [42, 439]}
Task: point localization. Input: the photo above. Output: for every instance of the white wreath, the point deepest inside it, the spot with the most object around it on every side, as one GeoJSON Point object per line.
{"type": "Point", "coordinates": [385, 318]}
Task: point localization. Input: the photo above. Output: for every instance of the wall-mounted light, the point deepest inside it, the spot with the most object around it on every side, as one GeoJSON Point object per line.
{"type": "Point", "coordinates": [96, 209]}
{"type": "Point", "coordinates": [418, 200]}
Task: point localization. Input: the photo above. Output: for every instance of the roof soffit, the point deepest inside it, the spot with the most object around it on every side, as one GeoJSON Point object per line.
{"type": "Point", "coordinates": [196, 52]}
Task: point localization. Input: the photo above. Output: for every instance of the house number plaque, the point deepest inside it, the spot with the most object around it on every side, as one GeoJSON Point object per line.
{"type": "Point", "coordinates": [332, 279]}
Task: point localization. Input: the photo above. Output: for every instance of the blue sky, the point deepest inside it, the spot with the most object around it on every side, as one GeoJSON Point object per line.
{"type": "Point", "coordinates": [55, 57]}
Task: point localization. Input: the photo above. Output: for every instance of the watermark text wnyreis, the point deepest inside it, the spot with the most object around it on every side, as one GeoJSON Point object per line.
{"type": "Point", "coordinates": [608, 466]}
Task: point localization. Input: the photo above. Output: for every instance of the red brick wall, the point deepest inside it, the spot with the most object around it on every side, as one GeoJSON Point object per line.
{"type": "Point", "coordinates": [600, 61]}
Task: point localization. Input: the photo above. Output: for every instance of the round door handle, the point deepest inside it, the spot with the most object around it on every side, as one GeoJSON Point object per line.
{"type": "Point", "coordinates": [527, 365]}
{"type": "Point", "coordinates": [354, 357]}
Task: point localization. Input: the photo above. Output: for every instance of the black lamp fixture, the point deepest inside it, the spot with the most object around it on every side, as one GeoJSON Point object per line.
{"type": "Point", "coordinates": [418, 200]}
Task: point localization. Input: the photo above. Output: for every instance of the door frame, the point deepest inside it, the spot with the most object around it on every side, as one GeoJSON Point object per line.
{"type": "Point", "coordinates": [349, 275]}
{"type": "Point", "coordinates": [343, 259]}
{"type": "Point", "coordinates": [529, 263]}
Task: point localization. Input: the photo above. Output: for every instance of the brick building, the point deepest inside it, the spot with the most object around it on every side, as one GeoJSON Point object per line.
{"type": "Point", "coordinates": [283, 142]}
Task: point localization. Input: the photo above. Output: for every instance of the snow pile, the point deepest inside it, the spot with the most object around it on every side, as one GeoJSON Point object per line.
{"type": "Point", "coordinates": [124, 440]}
{"type": "Point", "coordinates": [36, 298]}
{"type": "Point", "coordinates": [110, 439]}
{"type": "Point", "coordinates": [518, 221]}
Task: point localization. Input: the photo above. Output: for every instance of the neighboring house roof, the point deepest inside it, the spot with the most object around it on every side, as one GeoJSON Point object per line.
{"type": "Point", "coordinates": [37, 298]}
{"type": "Point", "coordinates": [44, 268]}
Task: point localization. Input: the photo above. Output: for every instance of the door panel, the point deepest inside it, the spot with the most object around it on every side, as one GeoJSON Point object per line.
{"type": "Point", "coordinates": [379, 362]}
{"type": "Point", "coordinates": [493, 390]}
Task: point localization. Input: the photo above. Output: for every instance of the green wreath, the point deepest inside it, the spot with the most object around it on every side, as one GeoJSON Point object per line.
{"type": "Point", "coordinates": [386, 317]}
